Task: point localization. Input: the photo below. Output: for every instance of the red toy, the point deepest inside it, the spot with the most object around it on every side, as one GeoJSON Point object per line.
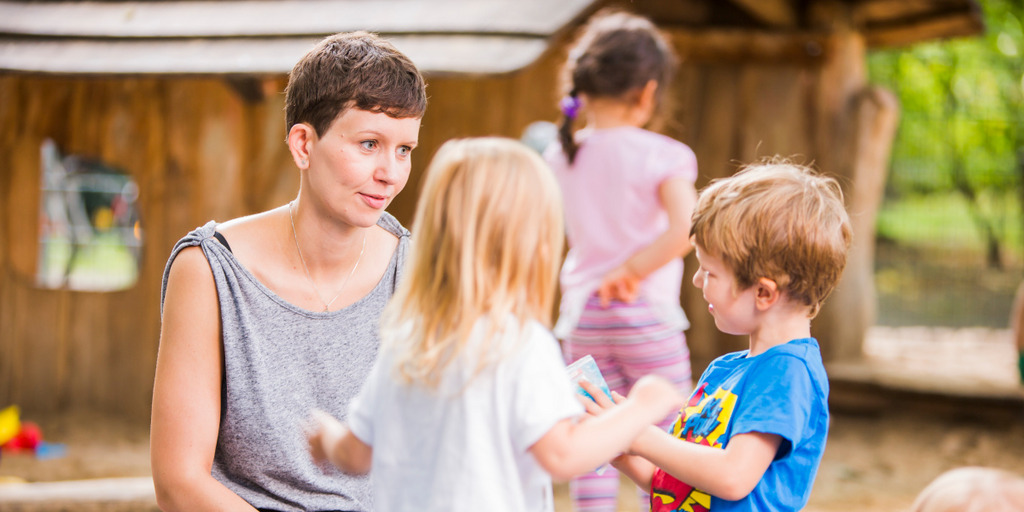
{"type": "Point", "coordinates": [26, 440]}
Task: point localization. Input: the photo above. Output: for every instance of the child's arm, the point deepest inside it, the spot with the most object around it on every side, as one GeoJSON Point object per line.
{"type": "Point", "coordinates": [572, 448]}
{"type": "Point", "coordinates": [678, 196]}
{"type": "Point", "coordinates": [638, 469]}
{"type": "Point", "coordinates": [730, 474]}
{"type": "Point", "coordinates": [330, 440]}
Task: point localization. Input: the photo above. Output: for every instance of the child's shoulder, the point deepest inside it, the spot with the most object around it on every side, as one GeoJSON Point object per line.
{"type": "Point", "coordinates": [644, 137]}
{"type": "Point", "coordinates": [800, 355]}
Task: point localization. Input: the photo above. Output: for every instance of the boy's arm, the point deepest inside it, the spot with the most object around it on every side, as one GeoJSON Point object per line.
{"type": "Point", "coordinates": [730, 474]}
{"type": "Point", "coordinates": [678, 196]}
{"type": "Point", "coordinates": [332, 441]}
{"type": "Point", "coordinates": [638, 469]}
{"type": "Point", "coordinates": [572, 448]}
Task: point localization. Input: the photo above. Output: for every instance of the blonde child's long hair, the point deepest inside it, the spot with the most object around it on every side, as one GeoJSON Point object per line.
{"type": "Point", "coordinates": [488, 235]}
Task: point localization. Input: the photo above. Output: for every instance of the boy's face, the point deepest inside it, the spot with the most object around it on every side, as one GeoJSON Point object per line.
{"type": "Point", "coordinates": [362, 162]}
{"type": "Point", "coordinates": [734, 310]}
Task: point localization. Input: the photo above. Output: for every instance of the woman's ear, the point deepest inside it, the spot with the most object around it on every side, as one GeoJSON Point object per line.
{"type": "Point", "coordinates": [301, 137]}
{"type": "Point", "coordinates": [767, 293]}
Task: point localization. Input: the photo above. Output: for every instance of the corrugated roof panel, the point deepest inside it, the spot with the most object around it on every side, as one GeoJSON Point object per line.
{"type": "Point", "coordinates": [246, 18]}
{"type": "Point", "coordinates": [432, 54]}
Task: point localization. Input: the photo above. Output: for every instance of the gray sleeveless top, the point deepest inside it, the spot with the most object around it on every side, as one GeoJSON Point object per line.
{"type": "Point", "coordinates": [280, 362]}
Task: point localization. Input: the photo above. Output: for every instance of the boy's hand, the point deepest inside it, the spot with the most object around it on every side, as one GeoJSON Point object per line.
{"type": "Point", "coordinates": [621, 284]}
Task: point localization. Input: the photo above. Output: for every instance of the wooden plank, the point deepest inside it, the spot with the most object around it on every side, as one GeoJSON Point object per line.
{"type": "Point", "coordinates": [777, 117]}
{"type": "Point", "coordinates": [715, 143]}
{"type": "Point", "coordinates": [457, 54]}
{"type": "Point", "coordinates": [738, 45]}
{"type": "Point", "coordinates": [671, 12]}
{"type": "Point", "coordinates": [272, 178]}
{"type": "Point", "coordinates": [775, 13]}
{"type": "Point", "coordinates": [902, 11]}
{"type": "Point", "coordinates": [846, 315]}
{"type": "Point", "coordinates": [939, 27]}
{"type": "Point", "coordinates": [873, 114]}
{"type": "Point", "coordinates": [249, 18]}
{"type": "Point", "coordinates": [39, 318]}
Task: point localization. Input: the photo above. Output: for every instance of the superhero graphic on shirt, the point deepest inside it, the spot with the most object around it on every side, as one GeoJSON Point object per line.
{"type": "Point", "coordinates": [703, 420]}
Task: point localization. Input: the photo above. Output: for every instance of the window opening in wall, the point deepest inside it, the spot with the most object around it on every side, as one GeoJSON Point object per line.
{"type": "Point", "coordinates": [90, 235]}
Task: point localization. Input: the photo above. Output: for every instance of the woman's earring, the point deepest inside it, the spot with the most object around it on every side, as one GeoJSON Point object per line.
{"type": "Point", "coordinates": [304, 161]}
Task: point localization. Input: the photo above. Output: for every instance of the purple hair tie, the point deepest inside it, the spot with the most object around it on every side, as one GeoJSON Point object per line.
{"type": "Point", "coordinates": [570, 106]}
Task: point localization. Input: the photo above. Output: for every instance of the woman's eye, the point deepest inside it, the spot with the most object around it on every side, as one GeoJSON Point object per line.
{"type": "Point", "coordinates": [404, 151]}
{"type": "Point", "coordinates": [369, 144]}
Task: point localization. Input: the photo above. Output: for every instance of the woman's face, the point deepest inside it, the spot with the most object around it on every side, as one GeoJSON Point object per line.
{"type": "Point", "coordinates": [361, 163]}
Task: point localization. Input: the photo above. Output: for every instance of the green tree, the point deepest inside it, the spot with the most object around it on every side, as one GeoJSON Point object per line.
{"type": "Point", "coordinates": [962, 127]}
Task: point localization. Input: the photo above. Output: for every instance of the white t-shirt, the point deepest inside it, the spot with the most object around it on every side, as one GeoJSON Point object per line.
{"type": "Point", "coordinates": [456, 449]}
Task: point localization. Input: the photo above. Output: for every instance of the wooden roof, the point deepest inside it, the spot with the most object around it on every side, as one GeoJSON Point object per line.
{"type": "Point", "coordinates": [269, 36]}
{"type": "Point", "coordinates": [253, 37]}
{"type": "Point", "coordinates": [883, 22]}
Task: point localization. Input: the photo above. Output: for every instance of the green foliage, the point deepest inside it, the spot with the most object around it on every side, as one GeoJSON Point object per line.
{"type": "Point", "coordinates": [962, 104]}
{"type": "Point", "coordinates": [962, 126]}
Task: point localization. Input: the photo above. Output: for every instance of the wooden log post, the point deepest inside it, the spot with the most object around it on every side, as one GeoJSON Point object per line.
{"type": "Point", "coordinates": [857, 127]}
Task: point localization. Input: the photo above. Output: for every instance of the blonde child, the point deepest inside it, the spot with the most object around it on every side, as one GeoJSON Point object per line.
{"type": "Point", "coordinates": [771, 242]}
{"type": "Point", "coordinates": [468, 406]}
{"type": "Point", "coordinates": [628, 197]}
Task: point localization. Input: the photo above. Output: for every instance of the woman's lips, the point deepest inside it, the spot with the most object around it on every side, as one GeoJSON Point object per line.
{"type": "Point", "coordinates": [375, 202]}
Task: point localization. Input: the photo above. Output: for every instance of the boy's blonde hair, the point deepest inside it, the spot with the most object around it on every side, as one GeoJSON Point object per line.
{"type": "Point", "coordinates": [780, 221]}
{"type": "Point", "coordinates": [972, 489]}
{"type": "Point", "coordinates": [487, 244]}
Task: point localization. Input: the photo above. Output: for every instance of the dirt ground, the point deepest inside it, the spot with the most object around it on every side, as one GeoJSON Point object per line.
{"type": "Point", "coordinates": [872, 463]}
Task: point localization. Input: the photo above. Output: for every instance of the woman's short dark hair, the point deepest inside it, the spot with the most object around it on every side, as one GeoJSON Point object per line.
{"type": "Point", "coordinates": [352, 70]}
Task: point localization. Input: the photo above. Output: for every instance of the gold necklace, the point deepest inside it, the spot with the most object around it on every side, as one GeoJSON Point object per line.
{"type": "Point", "coordinates": [295, 236]}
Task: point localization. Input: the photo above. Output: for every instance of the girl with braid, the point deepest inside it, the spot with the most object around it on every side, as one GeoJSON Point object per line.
{"type": "Point", "coordinates": [629, 194]}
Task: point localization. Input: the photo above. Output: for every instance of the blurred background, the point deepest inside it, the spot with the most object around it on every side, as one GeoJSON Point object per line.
{"type": "Point", "coordinates": [125, 124]}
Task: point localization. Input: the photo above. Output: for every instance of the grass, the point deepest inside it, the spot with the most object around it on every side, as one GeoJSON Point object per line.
{"type": "Point", "coordinates": [105, 264]}
{"type": "Point", "coordinates": [930, 265]}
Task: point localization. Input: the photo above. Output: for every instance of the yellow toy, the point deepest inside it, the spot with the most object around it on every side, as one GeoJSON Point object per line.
{"type": "Point", "coordinates": [10, 424]}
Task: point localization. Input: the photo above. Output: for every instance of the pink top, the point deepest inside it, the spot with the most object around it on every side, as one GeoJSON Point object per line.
{"type": "Point", "coordinates": [612, 210]}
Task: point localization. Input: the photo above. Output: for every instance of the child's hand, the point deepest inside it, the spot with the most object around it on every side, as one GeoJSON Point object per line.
{"type": "Point", "coordinates": [620, 284]}
{"type": "Point", "coordinates": [600, 401]}
{"type": "Point", "coordinates": [323, 433]}
{"type": "Point", "coordinates": [657, 393]}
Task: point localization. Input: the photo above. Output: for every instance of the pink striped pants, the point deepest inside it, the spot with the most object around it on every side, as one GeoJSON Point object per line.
{"type": "Point", "coordinates": [627, 341]}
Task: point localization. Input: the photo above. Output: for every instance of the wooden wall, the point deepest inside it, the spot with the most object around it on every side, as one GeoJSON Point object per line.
{"type": "Point", "coordinates": [207, 148]}
{"type": "Point", "coordinates": [198, 150]}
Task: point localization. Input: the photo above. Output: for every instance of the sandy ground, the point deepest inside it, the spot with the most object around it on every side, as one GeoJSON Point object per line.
{"type": "Point", "coordinates": [872, 463]}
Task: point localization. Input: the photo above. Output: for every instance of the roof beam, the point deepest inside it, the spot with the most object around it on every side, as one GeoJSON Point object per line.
{"type": "Point", "coordinates": [776, 13]}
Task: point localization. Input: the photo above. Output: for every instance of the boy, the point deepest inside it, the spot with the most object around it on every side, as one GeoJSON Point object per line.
{"type": "Point", "coordinates": [771, 242]}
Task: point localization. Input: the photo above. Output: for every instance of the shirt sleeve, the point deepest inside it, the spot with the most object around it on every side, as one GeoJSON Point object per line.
{"type": "Point", "coordinates": [673, 160]}
{"type": "Point", "coordinates": [542, 393]}
{"type": "Point", "coordinates": [777, 399]}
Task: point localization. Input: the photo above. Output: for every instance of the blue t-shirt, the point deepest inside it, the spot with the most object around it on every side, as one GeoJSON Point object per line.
{"type": "Point", "coordinates": [783, 391]}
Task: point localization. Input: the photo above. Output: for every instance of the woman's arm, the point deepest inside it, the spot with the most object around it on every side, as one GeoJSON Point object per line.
{"type": "Point", "coordinates": [331, 441]}
{"type": "Point", "coordinates": [573, 448]}
{"type": "Point", "coordinates": [678, 196]}
{"type": "Point", "coordinates": [186, 392]}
